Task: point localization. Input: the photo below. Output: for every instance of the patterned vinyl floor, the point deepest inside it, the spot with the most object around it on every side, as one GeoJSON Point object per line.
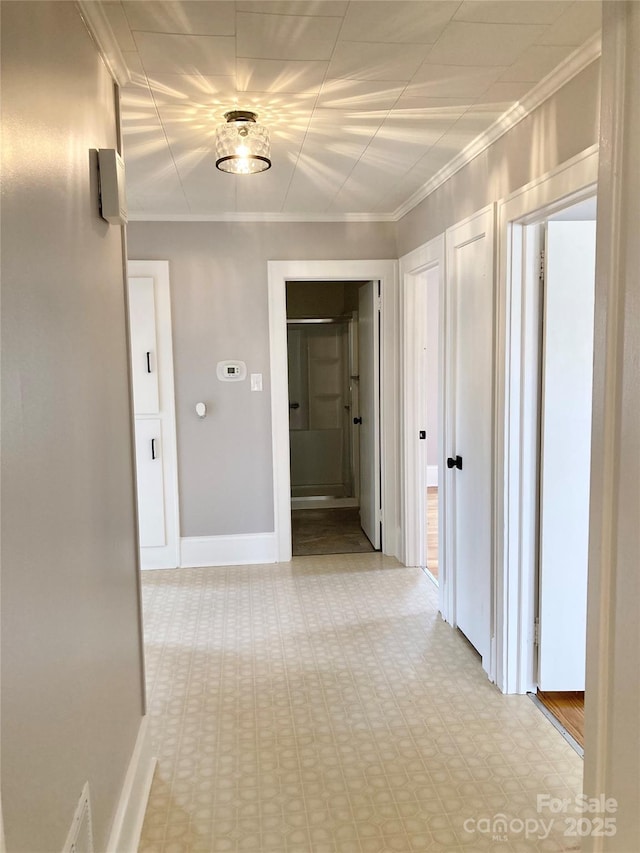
{"type": "Point", "coordinates": [322, 706]}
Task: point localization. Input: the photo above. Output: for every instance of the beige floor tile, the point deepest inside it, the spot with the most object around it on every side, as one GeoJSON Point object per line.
{"type": "Point", "coordinates": [323, 706]}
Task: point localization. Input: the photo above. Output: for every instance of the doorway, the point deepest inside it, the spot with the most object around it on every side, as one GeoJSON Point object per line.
{"type": "Point", "coordinates": [423, 291]}
{"type": "Point", "coordinates": [330, 420]}
{"type": "Point", "coordinates": [384, 508]}
{"type": "Point", "coordinates": [432, 392]}
{"type": "Point", "coordinates": [518, 398]}
{"type": "Point", "coordinates": [567, 293]}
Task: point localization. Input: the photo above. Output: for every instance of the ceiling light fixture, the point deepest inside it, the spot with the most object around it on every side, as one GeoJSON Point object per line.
{"type": "Point", "coordinates": [242, 145]}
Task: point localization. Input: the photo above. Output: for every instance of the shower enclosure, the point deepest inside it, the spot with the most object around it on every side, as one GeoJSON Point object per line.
{"type": "Point", "coordinates": [322, 403]}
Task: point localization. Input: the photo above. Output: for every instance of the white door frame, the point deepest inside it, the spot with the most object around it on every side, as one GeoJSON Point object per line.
{"type": "Point", "coordinates": [169, 555]}
{"type": "Point", "coordinates": [386, 272]}
{"type": "Point", "coordinates": [516, 401]}
{"type": "Point", "coordinates": [430, 256]}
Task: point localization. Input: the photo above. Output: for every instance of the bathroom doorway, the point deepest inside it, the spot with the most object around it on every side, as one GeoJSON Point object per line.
{"type": "Point", "coordinates": [331, 435]}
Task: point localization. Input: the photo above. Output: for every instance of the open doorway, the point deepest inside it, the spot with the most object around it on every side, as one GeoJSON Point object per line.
{"type": "Point", "coordinates": [430, 317]}
{"type": "Point", "coordinates": [422, 277]}
{"type": "Point", "coordinates": [333, 386]}
{"type": "Point", "coordinates": [382, 510]}
{"type": "Point", "coordinates": [547, 271]}
{"type": "Point", "coordinates": [566, 345]}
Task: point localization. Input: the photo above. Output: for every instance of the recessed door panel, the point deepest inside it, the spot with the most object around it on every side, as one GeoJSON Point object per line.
{"type": "Point", "coordinates": [150, 480]}
{"type": "Point", "coordinates": [144, 360]}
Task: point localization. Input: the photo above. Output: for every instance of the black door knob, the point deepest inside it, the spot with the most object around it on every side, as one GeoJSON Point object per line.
{"type": "Point", "coordinates": [357, 420]}
{"type": "Point", "coordinates": [454, 463]}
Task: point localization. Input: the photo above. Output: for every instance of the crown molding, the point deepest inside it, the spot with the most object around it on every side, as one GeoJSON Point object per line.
{"type": "Point", "coordinates": [140, 216]}
{"type": "Point", "coordinates": [548, 86]}
{"type": "Point", "coordinates": [99, 27]}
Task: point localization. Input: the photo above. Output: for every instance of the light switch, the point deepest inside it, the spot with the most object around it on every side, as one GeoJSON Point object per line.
{"type": "Point", "coordinates": [256, 382]}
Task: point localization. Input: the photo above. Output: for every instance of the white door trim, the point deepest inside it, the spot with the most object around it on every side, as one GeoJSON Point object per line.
{"type": "Point", "coordinates": [168, 556]}
{"type": "Point", "coordinates": [515, 514]}
{"type": "Point", "coordinates": [429, 256]}
{"type": "Point", "coordinates": [385, 271]}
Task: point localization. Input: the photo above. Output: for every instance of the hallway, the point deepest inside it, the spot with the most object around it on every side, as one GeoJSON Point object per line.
{"type": "Point", "coordinates": [323, 706]}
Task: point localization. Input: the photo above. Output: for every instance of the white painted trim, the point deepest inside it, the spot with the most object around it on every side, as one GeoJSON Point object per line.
{"type": "Point", "coordinates": [141, 216]}
{"type": "Point", "coordinates": [548, 86]}
{"type": "Point", "coordinates": [612, 625]}
{"type": "Point", "coordinates": [98, 25]}
{"type": "Point", "coordinates": [429, 256]}
{"type": "Point", "coordinates": [158, 558]}
{"type": "Point", "coordinates": [324, 503]}
{"type": "Point", "coordinates": [132, 804]}
{"type": "Point", "coordinates": [82, 809]}
{"type": "Point", "coordinates": [167, 557]}
{"type": "Point", "coordinates": [235, 550]}
{"type": "Point", "coordinates": [385, 271]}
{"type": "Point", "coordinates": [515, 511]}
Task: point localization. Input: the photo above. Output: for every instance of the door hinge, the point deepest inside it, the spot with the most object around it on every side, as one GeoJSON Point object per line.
{"type": "Point", "coordinates": [542, 268]}
{"type": "Point", "coordinates": [536, 631]}
{"type": "Point", "coordinates": [379, 303]}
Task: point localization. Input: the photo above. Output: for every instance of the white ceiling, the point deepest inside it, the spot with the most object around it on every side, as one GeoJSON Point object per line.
{"type": "Point", "coordinates": [365, 101]}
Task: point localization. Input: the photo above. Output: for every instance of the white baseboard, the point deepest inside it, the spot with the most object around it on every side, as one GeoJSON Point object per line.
{"type": "Point", "coordinates": [392, 542]}
{"type": "Point", "coordinates": [127, 824]}
{"type": "Point", "coordinates": [324, 503]}
{"type": "Point", "coordinates": [158, 558]}
{"type": "Point", "coordinates": [432, 475]}
{"type": "Point", "coordinates": [238, 550]}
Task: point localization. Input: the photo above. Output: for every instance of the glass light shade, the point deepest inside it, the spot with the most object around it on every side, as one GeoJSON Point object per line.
{"type": "Point", "coordinates": [242, 145]}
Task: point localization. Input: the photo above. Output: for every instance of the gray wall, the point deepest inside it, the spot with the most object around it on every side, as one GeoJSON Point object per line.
{"type": "Point", "coordinates": [71, 662]}
{"type": "Point", "coordinates": [563, 126]}
{"type": "Point", "coordinates": [219, 305]}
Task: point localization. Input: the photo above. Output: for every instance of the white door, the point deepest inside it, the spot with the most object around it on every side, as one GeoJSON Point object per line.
{"type": "Point", "coordinates": [144, 356]}
{"type": "Point", "coordinates": [566, 453]}
{"type": "Point", "coordinates": [470, 288]}
{"type": "Point", "coordinates": [369, 408]}
{"type": "Point", "coordinates": [150, 481]}
{"type": "Point", "coordinates": [154, 413]}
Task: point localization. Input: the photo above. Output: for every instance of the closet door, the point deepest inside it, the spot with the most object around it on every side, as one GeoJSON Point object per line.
{"type": "Point", "coordinates": [470, 289]}
{"type": "Point", "coordinates": [154, 413]}
{"type": "Point", "coordinates": [144, 360]}
{"type": "Point", "coordinates": [151, 516]}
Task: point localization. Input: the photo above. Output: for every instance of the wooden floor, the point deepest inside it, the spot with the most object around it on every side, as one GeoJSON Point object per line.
{"type": "Point", "coordinates": [568, 709]}
{"type": "Point", "coordinates": [432, 530]}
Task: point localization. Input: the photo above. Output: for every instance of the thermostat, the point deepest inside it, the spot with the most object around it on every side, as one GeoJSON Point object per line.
{"type": "Point", "coordinates": [231, 371]}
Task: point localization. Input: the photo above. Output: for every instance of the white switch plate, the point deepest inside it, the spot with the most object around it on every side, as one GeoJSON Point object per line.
{"type": "Point", "coordinates": [256, 382]}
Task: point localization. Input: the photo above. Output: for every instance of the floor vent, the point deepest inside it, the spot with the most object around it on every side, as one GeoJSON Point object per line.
{"type": "Point", "coordinates": [80, 838]}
